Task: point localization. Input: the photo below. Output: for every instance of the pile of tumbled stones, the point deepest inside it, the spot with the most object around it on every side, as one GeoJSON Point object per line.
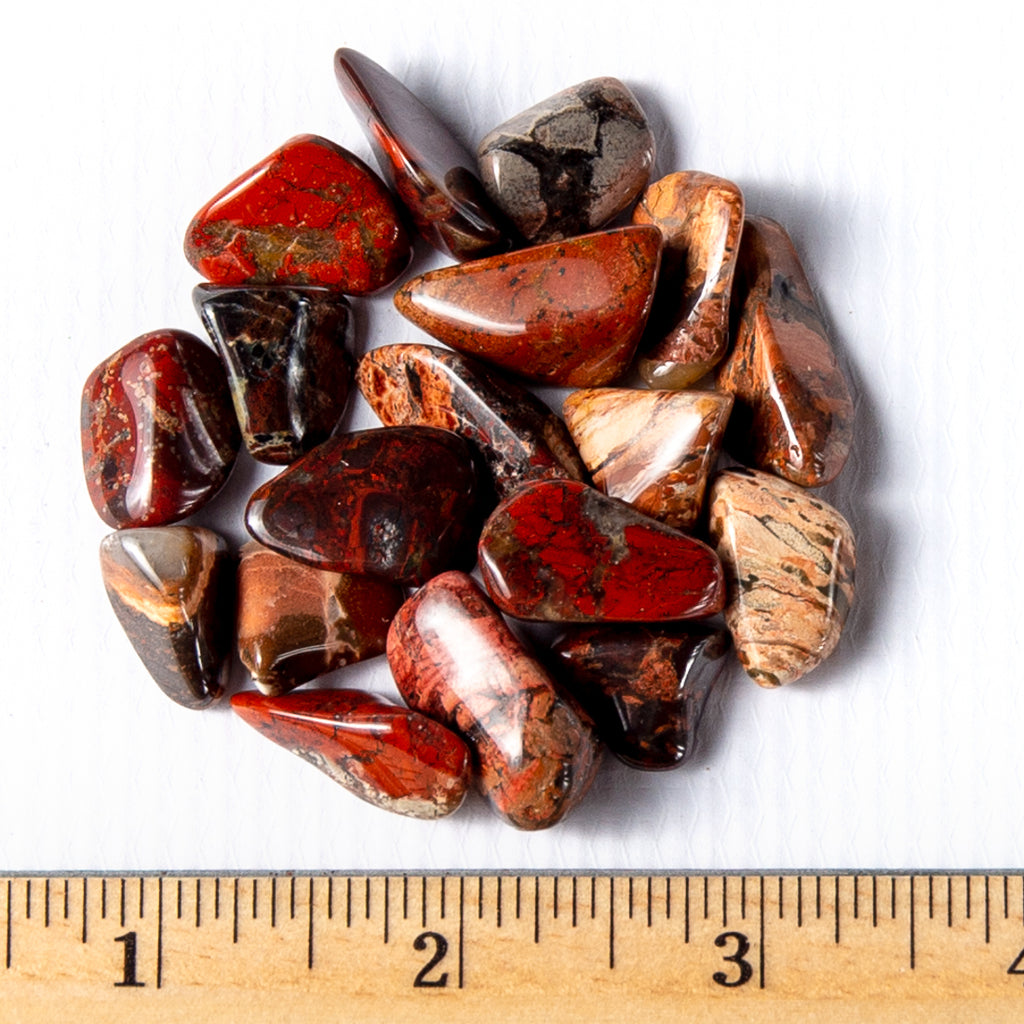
{"type": "Point", "coordinates": [593, 522]}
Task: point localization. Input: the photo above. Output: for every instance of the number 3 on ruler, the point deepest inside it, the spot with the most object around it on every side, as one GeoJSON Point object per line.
{"type": "Point", "coordinates": [742, 949]}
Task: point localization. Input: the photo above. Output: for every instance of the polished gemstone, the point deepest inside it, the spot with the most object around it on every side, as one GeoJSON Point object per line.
{"type": "Point", "coordinates": [296, 622]}
{"type": "Point", "coordinates": [389, 756]}
{"type": "Point", "coordinates": [644, 688]}
{"type": "Point", "coordinates": [793, 414]}
{"type": "Point", "coordinates": [310, 213]}
{"type": "Point", "coordinates": [653, 449]}
{"type": "Point", "coordinates": [288, 367]}
{"type": "Point", "coordinates": [454, 658]}
{"type": "Point", "coordinates": [159, 436]}
{"type": "Point", "coordinates": [789, 560]}
{"type": "Point", "coordinates": [397, 502]}
{"type": "Point", "coordinates": [432, 172]}
{"type": "Point", "coordinates": [701, 217]}
{"type": "Point", "coordinates": [170, 588]}
{"type": "Point", "coordinates": [567, 313]}
{"type": "Point", "coordinates": [571, 163]}
{"type": "Point", "coordinates": [518, 436]}
{"type": "Point", "coordinates": [560, 551]}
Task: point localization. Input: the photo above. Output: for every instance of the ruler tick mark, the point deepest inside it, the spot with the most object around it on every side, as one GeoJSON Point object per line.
{"type": "Point", "coordinates": [629, 903]}
{"type": "Point", "coordinates": [462, 904]}
{"type": "Point", "coordinates": [234, 923]}
{"type": "Point", "coordinates": [913, 949]}
{"type": "Point", "coordinates": [705, 897]}
{"type": "Point", "coordinates": [611, 922]}
{"type": "Point", "coordinates": [142, 898]}
{"type": "Point", "coordinates": [46, 901]}
{"type": "Point", "coordinates": [216, 899]}
{"type": "Point", "coordinates": [686, 910]}
{"type": "Point", "coordinates": [348, 903]}
{"type": "Point", "coordinates": [309, 928]}
{"type": "Point", "coordinates": [856, 907]}
{"type": "Point", "coordinates": [649, 900]}
{"type": "Point", "coordinates": [518, 895]}
{"type": "Point", "coordinates": [1006, 897]}
{"type": "Point", "coordinates": [442, 897]}
{"type": "Point", "coordinates": [968, 897]}
{"type": "Point", "coordinates": [593, 897]}
{"type": "Point", "coordinates": [405, 897]}
{"type": "Point", "coordinates": [255, 898]}
{"type": "Point", "coordinates": [7, 926]}
{"type": "Point", "coordinates": [987, 930]}
{"type": "Point", "coordinates": [743, 898]}
{"type": "Point", "coordinates": [497, 901]}
{"type": "Point", "coordinates": [159, 932]}
{"type": "Point", "coordinates": [387, 907]}
{"type": "Point", "coordinates": [892, 909]}
{"type": "Point", "coordinates": [28, 899]}
{"type": "Point", "coordinates": [330, 896]}
{"type": "Point", "coordinates": [536, 909]}
{"type": "Point", "coordinates": [817, 896]}
{"type": "Point", "coordinates": [874, 901]}
{"type": "Point", "coordinates": [574, 901]}
{"type": "Point", "coordinates": [725, 903]}
{"type": "Point", "coordinates": [949, 902]}
{"type": "Point", "coordinates": [198, 899]}
{"type": "Point", "coordinates": [179, 898]}
{"type": "Point", "coordinates": [668, 898]}
{"type": "Point", "coordinates": [368, 897]}
{"type": "Point", "coordinates": [835, 899]}
{"type": "Point", "coordinates": [781, 887]}
{"type": "Point", "coordinates": [66, 905]}
{"type": "Point", "coordinates": [273, 902]}
{"type": "Point", "coordinates": [931, 897]}
{"type": "Point", "coordinates": [554, 884]}
{"type": "Point", "coordinates": [760, 942]}
{"type": "Point", "coordinates": [480, 898]}
{"type": "Point", "coordinates": [799, 901]}
{"type": "Point", "coordinates": [85, 909]}
{"type": "Point", "coordinates": [291, 899]}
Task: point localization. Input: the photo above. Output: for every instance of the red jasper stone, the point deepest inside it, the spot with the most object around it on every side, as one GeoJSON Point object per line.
{"type": "Point", "coordinates": [454, 658]}
{"type": "Point", "coordinates": [567, 313]}
{"type": "Point", "coordinates": [559, 551]}
{"type": "Point", "coordinates": [310, 213]}
{"type": "Point", "coordinates": [389, 756]}
{"type": "Point", "coordinates": [159, 435]}
{"type": "Point", "coordinates": [397, 502]}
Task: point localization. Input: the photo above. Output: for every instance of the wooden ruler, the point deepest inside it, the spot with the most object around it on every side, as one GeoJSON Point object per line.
{"type": "Point", "coordinates": [511, 948]}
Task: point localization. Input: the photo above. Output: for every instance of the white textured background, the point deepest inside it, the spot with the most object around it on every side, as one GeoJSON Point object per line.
{"type": "Point", "coordinates": [888, 144]}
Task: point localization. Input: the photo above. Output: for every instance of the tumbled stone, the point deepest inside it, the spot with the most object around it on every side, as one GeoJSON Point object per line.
{"type": "Point", "coordinates": [518, 436]}
{"type": "Point", "coordinates": [560, 551]}
{"type": "Point", "coordinates": [701, 217]}
{"type": "Point", "coordinates": [288, 367]}
{"type": "Point", "coordinates": [159, 436]}
{"type": "Point", "coordinates": [570, 163]}
{"type": "Point", "coordinates": [644, 688]}
{"type": "Point", "coordinates": [310, 213]}
{"type": "Point", "coordinates": [454, 659]}
{"type": "Point", "coordinates": [567, 313]}
{"type": "Point", "coordinates": [389, 756]}
{"type": "Point", "coordinates": [793, 414]}
{"type": "Point", "coordinates": [653, 449]}
{"type": "Point", "coordinates": [170, 589]}
{"type": "Point", "coordinates": [296, 623]}
{"type": "Point", "coordinates": [432, 172]}
{"type": "Point", "coordinates": [789, 560]}
{"type": "Point", "coordinates": [397, 502]}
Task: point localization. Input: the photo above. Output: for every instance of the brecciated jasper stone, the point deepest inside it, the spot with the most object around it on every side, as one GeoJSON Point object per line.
{"type": "Point", "coordinates": [701, 217]}
{"type": "Point", "coordinates": [789, 559]}
{"type": "Point", "coordinates": [653, 449]}
{"type": "Point", "coordinates": [389, 756]}
{"type": "Point", "coordinates": [567, 313]}
{"type": "Point", "coordinates": [397, 502]}
{"type": "Point", "coordinates": [793, 414]}
{"type": "Point", "coordinates": [644, 688]}
{"type": "Point", "coordinates": [519, 437]}
{"type": "Point", "coordinates": [296, 622]}
{"type": "Point", "coordinates": [159, 436]}
{"type": "Point", "coordinates": [560, 551]}
{"type": "Point", "coordinates": [454, 659]}
{"type": "Point", "coordinates": [289, 371]}
{"type": "Point", "coordinates": [570, 163]}
{"type": "Point", "coordinates": [170, 589]}
{"type": "Point", "coordinates": [310, 213]}
{"type": "Point", "coordinates": [433, 173]}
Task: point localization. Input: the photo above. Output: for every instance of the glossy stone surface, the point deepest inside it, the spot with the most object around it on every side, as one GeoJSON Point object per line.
{"type": "Point", "coordinates": [570, 163]}
{"type": "Point", "coordinates": [518, 436]}
{"type": "Point", "coordinates": [567, 313]}
{"type": "Point", "coordinates": [644, 688]}
{"type": "Point", "coordinates": [701, 217]}
{"type": "Point", "coordinates": [454, 658]}
{"type": "Point", "coordinates": [789, 559]}
{"type": "Point", "coordinates": [296, 623]}
{"type": "Point", "coordinates": [432, 172]}
{"type": "Point", "coordinates": [793, 414]}
{"type": "Point", "coordinates": [310, 213]}
{"type": "Point", "coordinates": [398, 502]}
{"type": "Point", "coordinates": [159, 436]}
{"type": "Point", "coordinates": [389, 756]}
{"type": "Point", "coordinates": [170, 588]}
{"type": "Point", "coordinates": [653, 449]}
{"type": "Point", "coordinates": [288, 367]}
{"type": "Point", "coordinates": [560, 551]}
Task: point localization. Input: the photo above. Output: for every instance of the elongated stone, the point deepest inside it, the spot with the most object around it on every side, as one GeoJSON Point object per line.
{"type": "Point", "coordinates": [296, 622]}
{"type": "Point", "coordinates": [701, 217]}
{"type": "Point", "coordinates": [653, 449]}
{"type": "Point", "coordinates": [567, 313]}
{"type": "Point", "coordinates": [789, 560]}
{"type": "Point", "coordinates": [288, 367]}
{"type": "Point", "coordinates": [432, 172]}
{"type": "Point", "coordinates": [398, 502]}
{"type": "Point", "coordinates": [560, 551]}
{"type": "Point", "coordinates": [518, 436]}
{"type": "Point", "coordinates": [170, 589]}
{"type": "Point", "coordinates": [389, 756]}
{"type": "Point", "coordinates": [454, 659]}
{"type": "Point", "coordinates": [158, 433]}
{"type": "Point", "coordinates": [793, 414]}
{"type": "Point", "coordinates": [310, 213]}
{"type": "Point", "coordinates": [644, 688]}
{"type": "Point", "coordinates": [570, 163]}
